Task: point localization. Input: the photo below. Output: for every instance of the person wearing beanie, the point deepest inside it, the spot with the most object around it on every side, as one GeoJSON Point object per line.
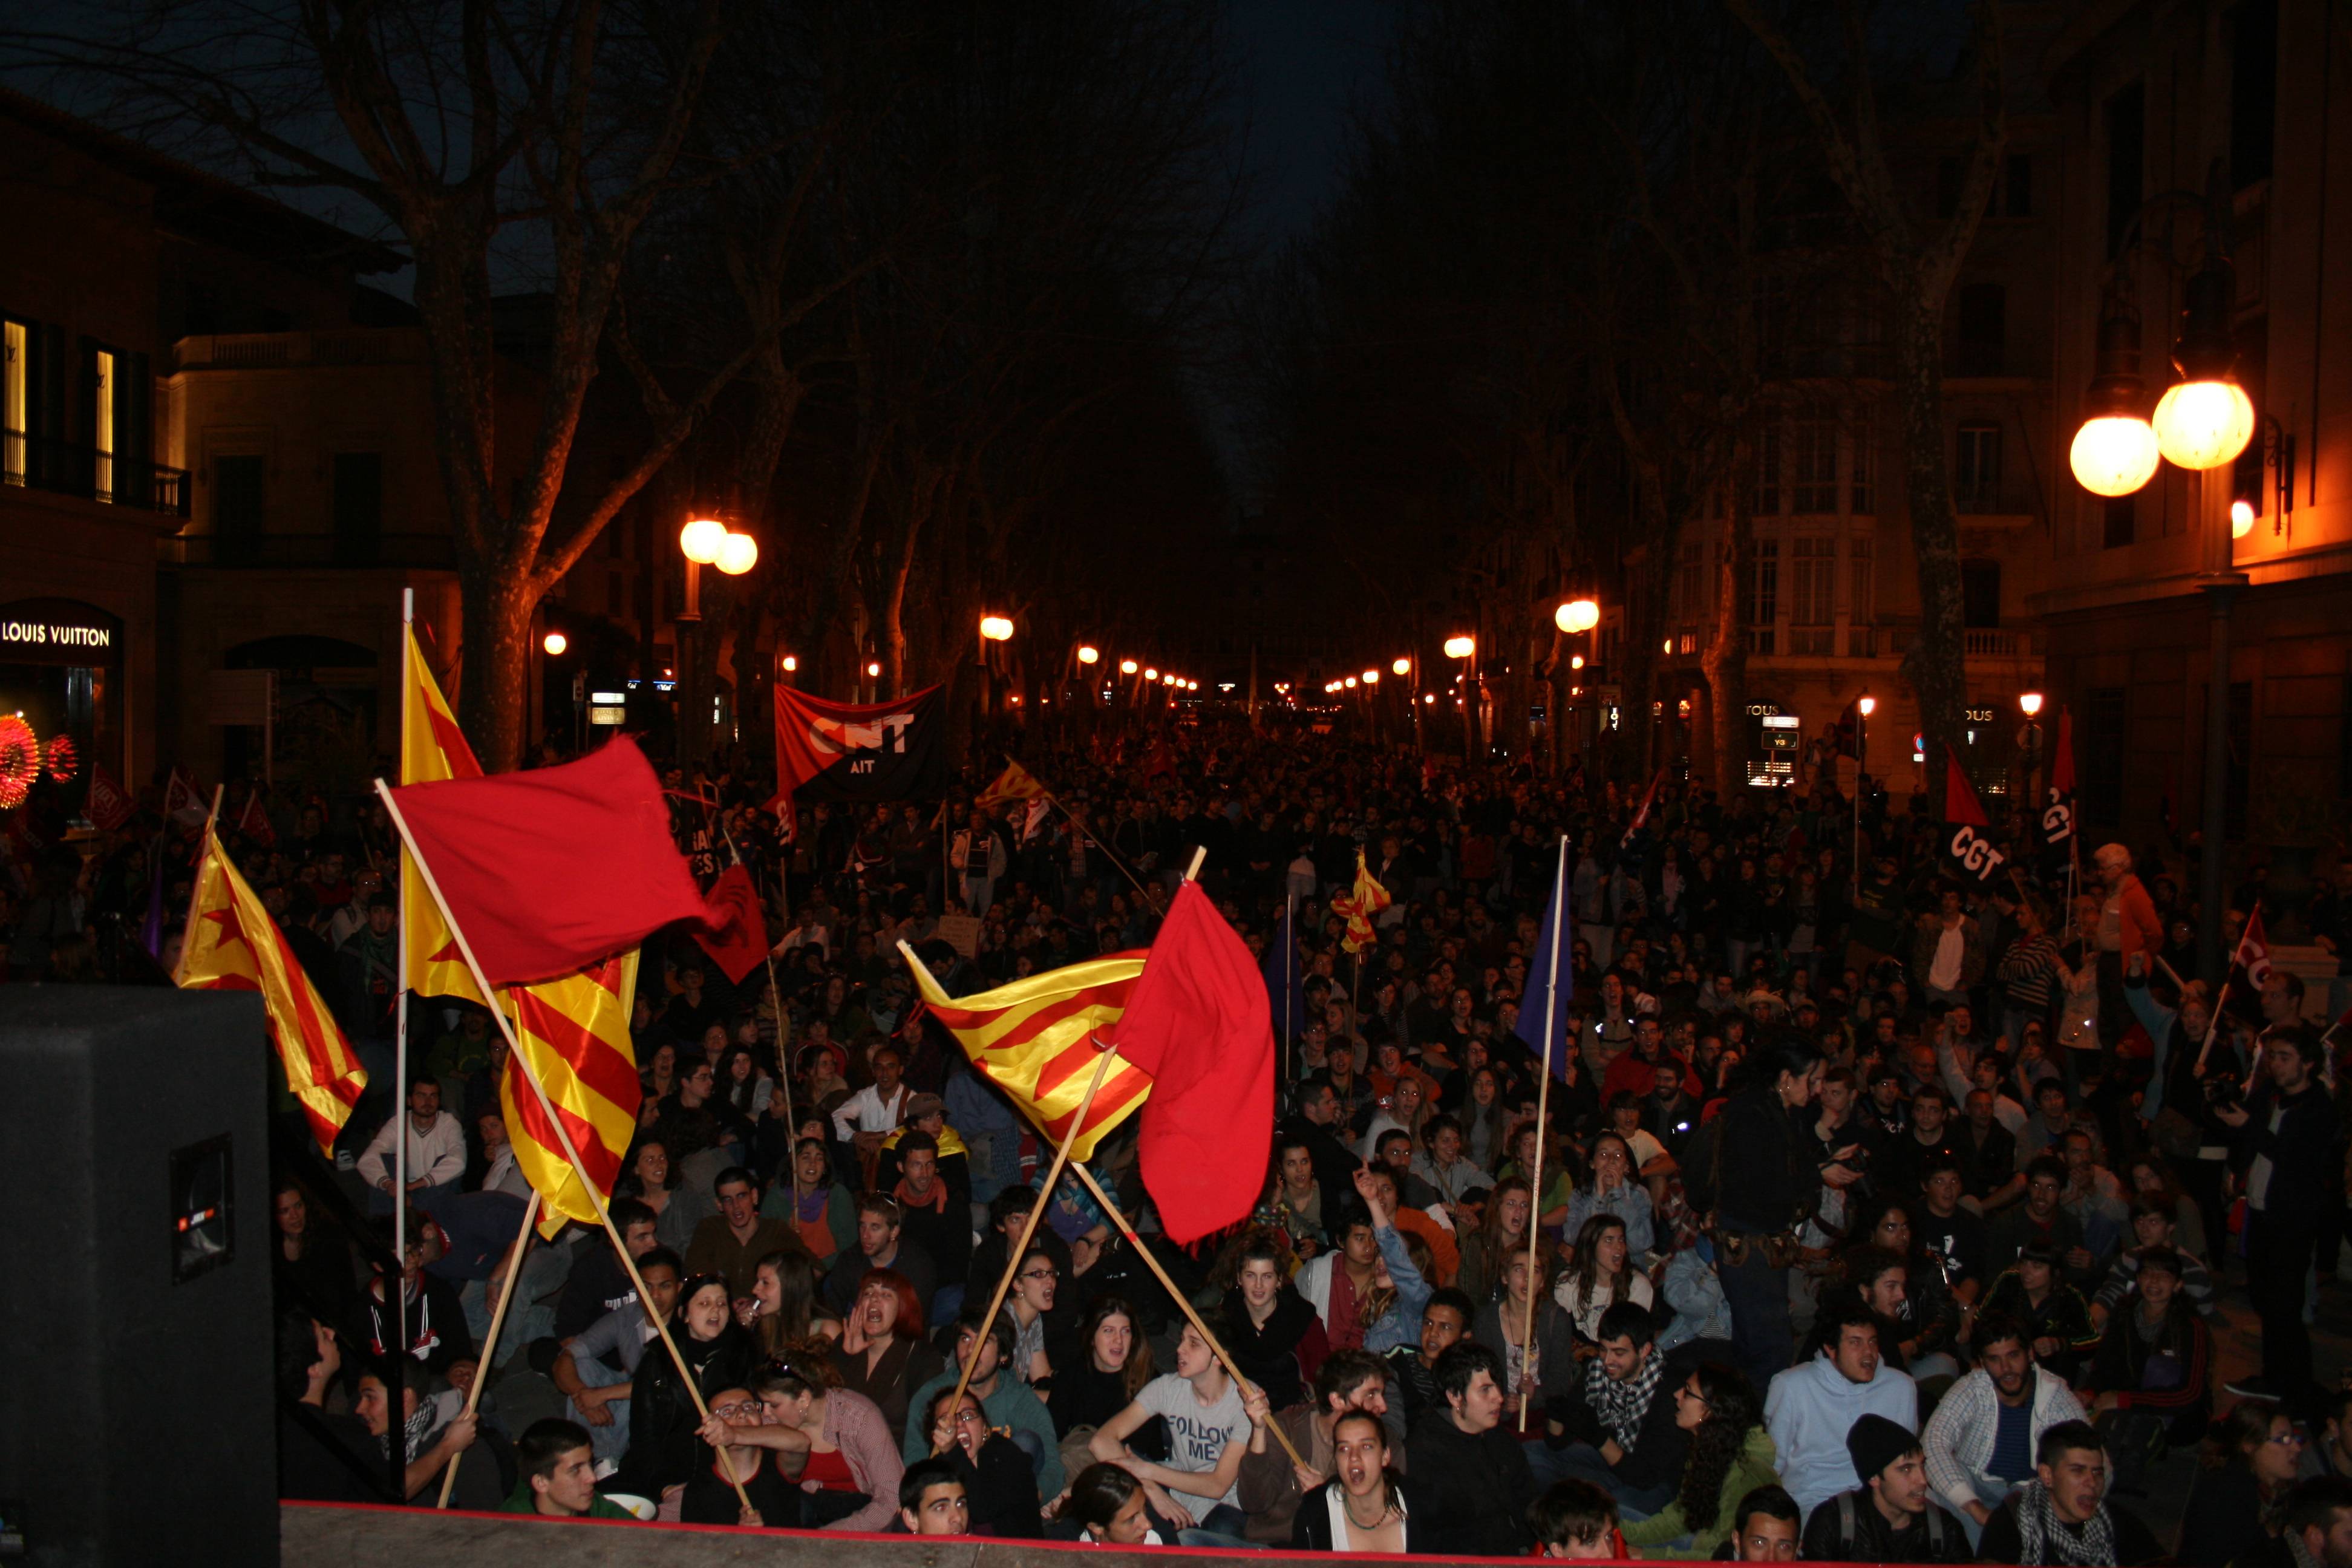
{"type": "Point", "coordinates": [1890, 1518]}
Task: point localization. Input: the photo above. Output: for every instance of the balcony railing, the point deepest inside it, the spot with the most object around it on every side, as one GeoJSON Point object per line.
{"type": "Point", "coordinates": [61, 468]}
{"type": "Point", "coordinates": [428, 549]}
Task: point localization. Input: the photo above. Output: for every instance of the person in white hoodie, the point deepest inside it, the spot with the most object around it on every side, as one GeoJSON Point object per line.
{"type": "Point", "coordinates": [1982, 1441]}
{"type": "Point", "coordinates": [1811, 1408]}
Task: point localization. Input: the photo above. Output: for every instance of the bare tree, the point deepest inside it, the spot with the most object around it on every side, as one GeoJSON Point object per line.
{"type": "Point", "coordinates": [530, 136]}
{"type": "Point", "coordinates": [1917, 262]}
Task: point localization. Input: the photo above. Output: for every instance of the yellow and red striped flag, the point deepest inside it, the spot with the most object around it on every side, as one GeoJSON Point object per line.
{"type": "Point", "coordinates": [232, 945]}
{"type": "Point", "coordinates": [1015, 782]}
{"type": "Point", "coordinates": [1368, 898]}
{"type": "Point", "coordinates": [576, 1031]}
{"type": "Point", "coordinates": [1032, 1039]}
{"type": "Point", "coordinates": [431, 748]}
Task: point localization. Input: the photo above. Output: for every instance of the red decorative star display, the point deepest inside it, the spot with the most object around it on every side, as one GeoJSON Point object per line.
{"type": "Point", "coordinates": [20, 760]}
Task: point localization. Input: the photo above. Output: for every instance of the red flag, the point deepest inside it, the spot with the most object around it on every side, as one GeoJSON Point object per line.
{"type": "Point", "coordinates": [1649, 798]}
{"type": "Point", "coordinates": [546, 872]}
{"type": "Point", "coordinates": [109, 807]}
{"type": "Point", "coordinates": [2253, 951]}
{"type": "Point", "coordinates": [253, 823]}
{"type": "Point", "coordinates": [2058, 810]}
{"type": "Point", "coordinates": [1199, 1023]}
{"type": "Point", "coordinates": [1960, 803]}
{"type": "Point", "coordinates": [737, 937]}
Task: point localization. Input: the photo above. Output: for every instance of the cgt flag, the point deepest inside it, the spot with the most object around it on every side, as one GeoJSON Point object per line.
{"type": "Point", "coordinates": [1972, 854]}
{"type": "Point", "coordinates": [736, 936]}
{"type": "Point", "coordinates": [860, 752]}
{"type": "Point", "coordinates": [109, 807]}
{"type": "Point", "coordinates": [2252, 952]}
{"type": "Point", "coordinates": [231, 944]}
{"type": "Point", "coordinates": [2058, 809]}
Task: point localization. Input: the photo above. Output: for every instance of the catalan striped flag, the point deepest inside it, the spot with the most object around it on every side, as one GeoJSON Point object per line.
{"type": "Point", "coordinates": [1015, 782]}
{"type": "Point", "coordinates": [232, 945]}
{"type": "Point", "coordinates": [576, 1032]}
{"type": "Point", "coordinates": [1033, 1040]}
{"type": "Point", "coordinates": [1359, 906]}
{"type": "Point", "coordinates": [431, 748]}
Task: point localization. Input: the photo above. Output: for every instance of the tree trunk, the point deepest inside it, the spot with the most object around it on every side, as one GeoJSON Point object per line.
{"type": "Point", "coordinates": [1726, 652]}
{"type": "Point", "coordinates": [1936, 664]}
{"type": "Point", "coordinates": [496, 606]}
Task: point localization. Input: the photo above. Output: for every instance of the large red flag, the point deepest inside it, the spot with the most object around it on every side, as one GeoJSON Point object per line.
{"type": "Point", "coordinates": [1199, 1023]}
{"type": "Point", "coordinates": [1972, 853]}
{"type": "Point", "coordinates": [546, 872]}
{"type": "Point", "coordinates": [736, 937]}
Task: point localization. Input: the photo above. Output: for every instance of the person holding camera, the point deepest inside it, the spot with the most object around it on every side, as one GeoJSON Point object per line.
{"type": "Point", "coordinates": [2287, 1139]}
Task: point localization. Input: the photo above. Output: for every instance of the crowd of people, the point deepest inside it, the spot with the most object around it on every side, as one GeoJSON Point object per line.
{"type": "Point", "coordinates": [1877, 1217]}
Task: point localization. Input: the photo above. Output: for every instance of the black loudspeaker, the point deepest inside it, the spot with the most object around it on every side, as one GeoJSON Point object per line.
{"type": "Point", "coordinates": [137, 1415]}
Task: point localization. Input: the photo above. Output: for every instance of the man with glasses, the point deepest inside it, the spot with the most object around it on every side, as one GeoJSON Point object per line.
{"type": "Point", "coordinates": [709, 1495]}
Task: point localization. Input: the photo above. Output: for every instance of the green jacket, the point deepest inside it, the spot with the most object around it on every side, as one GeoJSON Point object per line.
{"type": "Point", "coordinates": [520, 1500]}
{"type": "Point", "coordinates": [1752, 1468]}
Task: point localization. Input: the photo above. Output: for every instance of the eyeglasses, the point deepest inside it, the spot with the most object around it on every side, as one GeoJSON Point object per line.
{"type": "Point", "coordinates": [2290, 1439]}
{"type": "Point", "coordinates": [1041, 1274]}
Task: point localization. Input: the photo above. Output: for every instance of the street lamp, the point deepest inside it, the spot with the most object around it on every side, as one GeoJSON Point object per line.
{"type": "Point", "coordinates": [738, 554]}
{"type": "Point", "coordinates": [1400, 667]}
{"type": "Point", "coordinates": [1577, 616]}
{"type": "Point", "coordinates": [1127, 667]}
{"type": "Point", "coordinates": [556, 643]}
{"type": "Point", "coordinates": [1460, 647]}
{"type": "Point", "coordinates": [1087, 655]}
{"type": "Point", "coordinates": [1372, 678]}
{"type": "Point", "coordinates": [2205, 419]}
{"type": "Point", "coordinates": [2114, 452]}
{"type": "Point", "coordinates": [702, 540]}
{"type": "Point", "coordinates": [2241, 519]}
{"type": "Point", "coordinates": [995, 628]}
{"type": "Point", "coordinates": [792, 663]}
{"type": "Point", "coordinates": [1575, 661]}
{"type": "Point", "coordinates": [1149, 673]}
{"type": "Point", "coordinates": [2031, 702]}
{"type": "Point", "coordinates": [1868, 705]}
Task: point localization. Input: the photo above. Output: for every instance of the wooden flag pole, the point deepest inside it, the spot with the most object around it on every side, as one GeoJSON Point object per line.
{"type": "Point", "coordinates": [547, 1107]}
{"type": "Point", "coordinates": [1108, 852]}
{"type": "Point", "coordinates": [776, 1004]}
{"type": "Point", "coordinates": [1103, 1055]}
{"type": "Point", "coordinates": [1183, 1302]}
{"type": "Point", "coordinates": [1543, 1112]}
{"type": "Point", "coordinates": [498, 1321]}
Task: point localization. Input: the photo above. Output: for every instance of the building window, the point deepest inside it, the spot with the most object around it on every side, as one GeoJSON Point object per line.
{"type": "Point", "coordinates": [2101, 758]}
{"type": "Point", "coordinates": [1864, 482]}
{"type": "Point", "coordinates": [1976, 468]}
{"type": "Point", "coordinates": [1861, 583]}
{"type": "Point", "coordinates": [1813, 596]}
{"type": "Point", "coordinates": [1764, 603]}
{"type": "Point", "coordinates": [2253, 91]}
{"type": "Point", "coordinates": [2126, 157]}
{"type": "Point", "coordinates": [1981, 592]}
{"type": "Point", "coordinates": [102, 423]}
{"type": "Point", "coordinates": [2117, 523]}
{"type": "Point", "coordinates": [1814, 443]}
{"type": "Point", "coordinates": [1984, 329]}
{"type": "Point", "coordinates": [15, 399]}
{"type": "Point", "coordinates": [237, 511]}
{"type": "Point", "coordinates": [358, 507]}
{"type": "Point", "coordinates": [1691, 585]}
{"type": "Point", "coordinates": [1768, 471]}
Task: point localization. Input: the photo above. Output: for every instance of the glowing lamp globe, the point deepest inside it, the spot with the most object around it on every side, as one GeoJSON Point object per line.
{"type": "Point", "coordinates": [702, 540]}
{"type": "Point", "coordinates": [1428, 697]}
{"type": "Point", "coordinates": [1575, 661]}
{"type": "Point", "coordinates": [1400, 667]}
{"type": "Point", "coordinates": [1460, 647]}
{"type": "Point", "coordinates": [2030, 701]}
{"type": "Point", "coordinates": [2203, 424]}
{"type": "Point", "coordinates": [1191, 686]}
{"type": "Point", "coordinates": [873, 669]}
{"type": "Point", "coordinates": [1577, 616]}
{"type": "Point", "coordinates": [556, 643]}
{"type": "Point", "coordinates": [2241, 519]}
{"type": "Point", "coordinates": [1127, 667]}
{"type": "Point", "coordinates": [792, 663]}
{"type": "Point", "coordinates": [995, 628]}
{"type": "Point", "coordinates": [2114, 454]}
{"type": "Point", "coordinates": [1868, 705]}
{"type": "Point", "coordinates": [1088, 655]}
{"type": "Point", "coordinates": [1372, 678]}
{"type": "Point", "coordinates": [738, 554]}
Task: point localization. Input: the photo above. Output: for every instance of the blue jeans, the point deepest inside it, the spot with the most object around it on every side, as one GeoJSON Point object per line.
{"type": "Point", "coordinates": [1758, 1295]}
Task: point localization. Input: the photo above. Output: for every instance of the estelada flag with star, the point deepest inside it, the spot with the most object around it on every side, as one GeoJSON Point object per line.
{"type": "Point", "coordinates": [1015, 782]}
{"type": "Point", "coordinates": [1359, 906]}
{"type": "Point", "coordinates": [431, 748]}
{"type": "Point", "coordinates": [232, 945]}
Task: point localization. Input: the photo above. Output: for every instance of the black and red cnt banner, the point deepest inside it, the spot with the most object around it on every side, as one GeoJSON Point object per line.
{"type": "Point", "coordinates": [860, 752]}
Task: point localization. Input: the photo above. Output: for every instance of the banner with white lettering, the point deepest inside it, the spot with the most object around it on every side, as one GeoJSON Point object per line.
{"type": "Point", "coordinates": [860, 752]}
{"type": "Point", "coordinates": [1968, 842]}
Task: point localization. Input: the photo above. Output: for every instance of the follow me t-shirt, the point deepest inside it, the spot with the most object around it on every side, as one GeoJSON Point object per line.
{"type": "Point", "coordinates": [1197, 1432]}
